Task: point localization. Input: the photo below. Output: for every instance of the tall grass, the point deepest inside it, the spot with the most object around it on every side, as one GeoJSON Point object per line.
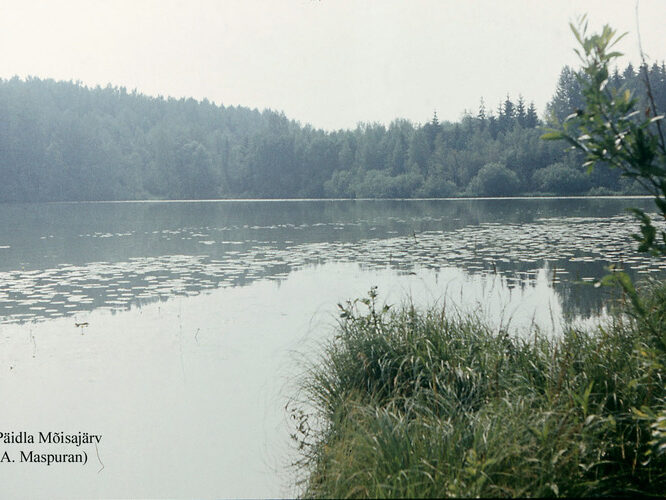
{"type": "Point", "coordinates": [412, 403]}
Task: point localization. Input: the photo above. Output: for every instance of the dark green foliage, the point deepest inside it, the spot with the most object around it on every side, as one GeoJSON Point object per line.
{"type": "Point", "coordinates": [64, 141]}
{"type": "Point", "coordinates": [494, 179]}
{"type": "Point", "coordinates": [380, 184]}
{"type": "Point", "coordinates": [614, 127]}
{"type": "Point", "coordinates": [561, 179]}
{"type": "Point", "coordinates": [568, 96]}
{"type": "Point", "coordinates": [432, 404]}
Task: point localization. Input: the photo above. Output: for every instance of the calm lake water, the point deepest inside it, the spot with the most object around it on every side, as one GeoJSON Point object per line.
{"type": "Point", "coordinates": [193, 317]}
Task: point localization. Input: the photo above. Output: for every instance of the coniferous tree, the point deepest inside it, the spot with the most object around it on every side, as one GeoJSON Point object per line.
{"type": "Point", "coordinates": [431, 130]}
{"type": "Point", "coordinates": [567, 96]}
{"type": "Point", "coordinates": [629, 73]}
{"type": "Point", "coordinates": [520, 111]}
{"type": "Point", "coordinates": [493, 126]}
{"type": "Point", "coordinates": [531, 118]}
{"type": "Point", "coordinates": [509, 109]}
{"type": "Point", "coordinates": [481, 115]}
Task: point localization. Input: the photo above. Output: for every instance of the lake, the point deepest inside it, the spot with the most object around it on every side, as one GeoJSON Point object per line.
{"type": "Point", "coordinates": [175, 330]}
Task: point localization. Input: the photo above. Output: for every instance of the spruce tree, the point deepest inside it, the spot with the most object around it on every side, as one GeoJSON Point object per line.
{"type": "Point", "coordinates": [531, 118]}
{"type": "Point", "coordinates": [482, 111]}
{"type": "Point", "coordinates": [520, 111]}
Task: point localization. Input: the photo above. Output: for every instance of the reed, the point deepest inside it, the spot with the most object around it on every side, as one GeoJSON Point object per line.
{"type": "Point", "coordinates": [432, 403]}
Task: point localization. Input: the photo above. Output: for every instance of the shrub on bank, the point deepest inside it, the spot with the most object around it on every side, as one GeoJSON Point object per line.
{"type": "Point", "coordinates": [494, 179]}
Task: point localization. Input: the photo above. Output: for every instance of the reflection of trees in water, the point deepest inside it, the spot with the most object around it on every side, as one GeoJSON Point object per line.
{"type": "Point", "coordinates": [193, 247]}
{"type": "Point", "coordinates": [65, 292]}
{"type": "Point", "coordinates": [48, 235]}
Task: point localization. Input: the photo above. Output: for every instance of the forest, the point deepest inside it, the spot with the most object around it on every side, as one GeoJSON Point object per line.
{"type": "Point", "coordinates": [64, 141]}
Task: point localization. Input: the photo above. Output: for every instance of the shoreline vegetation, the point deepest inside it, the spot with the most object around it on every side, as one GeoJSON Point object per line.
{"type": "Point", "coordinates": [451, 198]}
{"type": "Point", "coordinates": [411, 403]}
{"type": "Point", "coordinates": [406, 403]}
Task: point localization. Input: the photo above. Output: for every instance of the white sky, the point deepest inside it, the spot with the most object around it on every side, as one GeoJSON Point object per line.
{"type": "Point", "coordinates": [331, 63]}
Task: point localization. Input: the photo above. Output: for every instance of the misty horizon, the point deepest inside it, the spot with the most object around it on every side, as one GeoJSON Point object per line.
{"type": "Point", "coordinates": [328, 64]}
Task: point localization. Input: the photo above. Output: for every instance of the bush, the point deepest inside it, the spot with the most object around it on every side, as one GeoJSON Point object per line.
{"type": "Point", "coordinates": [339, 185]}
{"type": "Point", "coordinates": [381, 184]}
{"type": "Point", "coordinates": [435, 187]}
{"type": "Point", "coordinates": [601, 191]}
{"type": "Point", "coordinates": [561, 179]}
{"type": "Point", "coordinates": [494, 179]}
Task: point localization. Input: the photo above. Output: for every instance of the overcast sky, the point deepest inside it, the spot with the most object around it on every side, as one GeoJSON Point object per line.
{"type": "Point", "coordinates": [331, 63]}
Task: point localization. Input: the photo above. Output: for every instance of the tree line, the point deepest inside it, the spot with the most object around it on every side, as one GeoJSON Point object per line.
{"type": "Point", "coordinates": [66, 141]}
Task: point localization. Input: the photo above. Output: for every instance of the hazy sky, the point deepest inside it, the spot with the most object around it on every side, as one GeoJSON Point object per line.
{"type": "Point", "coordinates": [331, 63]}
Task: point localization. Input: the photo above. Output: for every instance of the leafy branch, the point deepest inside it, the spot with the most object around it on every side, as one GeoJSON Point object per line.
{"type": "Point", "coordinates": [611, 130]}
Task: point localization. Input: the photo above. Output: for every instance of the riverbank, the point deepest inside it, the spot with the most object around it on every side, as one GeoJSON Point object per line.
{"type": "Point", "coordinates": [432, 403]}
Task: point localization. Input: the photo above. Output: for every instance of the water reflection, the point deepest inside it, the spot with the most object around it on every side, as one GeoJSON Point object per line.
{"type": "Point", "coordinates": [62, 259]}
{"type": "Point", "coordinates": [190, 395]}
{"type": "Point", "coordinates": [201, 377]}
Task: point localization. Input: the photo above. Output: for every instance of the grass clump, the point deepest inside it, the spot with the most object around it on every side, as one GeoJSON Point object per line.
{"type": "Point", "coordinates": [409, 403]}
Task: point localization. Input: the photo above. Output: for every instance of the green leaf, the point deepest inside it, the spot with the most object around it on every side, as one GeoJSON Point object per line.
{"type": "Point", "coordinates": [552, 136]}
